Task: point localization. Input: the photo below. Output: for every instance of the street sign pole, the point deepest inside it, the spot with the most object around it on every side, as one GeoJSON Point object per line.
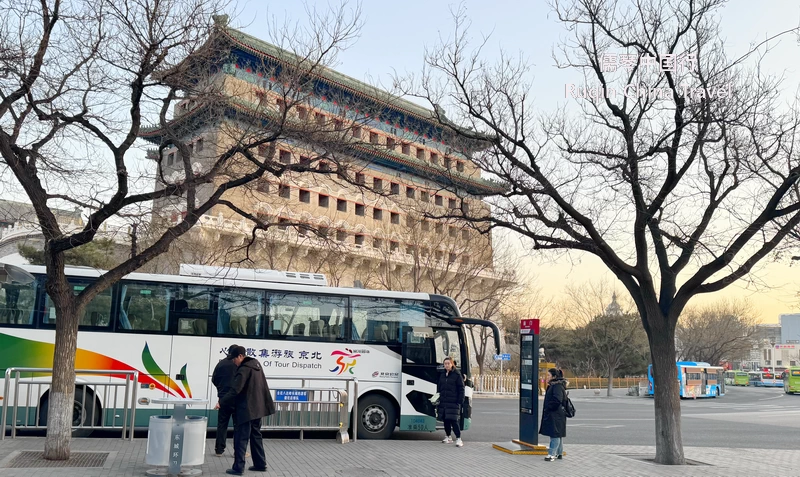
{"type": "Point", "coordinates": [501, 376]}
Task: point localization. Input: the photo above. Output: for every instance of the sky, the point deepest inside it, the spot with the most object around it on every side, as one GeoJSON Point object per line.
{"type": "Point", "coordinates": [394, 37]}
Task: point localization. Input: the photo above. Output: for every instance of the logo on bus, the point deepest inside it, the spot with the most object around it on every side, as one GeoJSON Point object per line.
{"type": "Point", "coordinates": [346, 360]}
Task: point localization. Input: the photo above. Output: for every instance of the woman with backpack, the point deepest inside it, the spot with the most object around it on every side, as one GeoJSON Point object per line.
{"type": "Point", "coordinates": [554, 417]}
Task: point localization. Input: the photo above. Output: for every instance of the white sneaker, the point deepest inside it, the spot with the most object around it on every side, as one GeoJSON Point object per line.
{"type": "Point", "coordinates": [459, 443]}
{"type": "Point", "coordinates": [550, 458]}
{"type": "Point", "coordinates": [447, 440]}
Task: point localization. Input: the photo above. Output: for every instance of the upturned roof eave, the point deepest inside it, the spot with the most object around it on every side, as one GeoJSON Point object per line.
{"type": "Point", "coordinates": [154, 133]}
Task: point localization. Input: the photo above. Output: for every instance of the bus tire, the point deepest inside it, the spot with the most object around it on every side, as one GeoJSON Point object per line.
{"type": "Point", "coordinates": [80, 416]}
{"type": "Point", "coordinates": [377, 417]}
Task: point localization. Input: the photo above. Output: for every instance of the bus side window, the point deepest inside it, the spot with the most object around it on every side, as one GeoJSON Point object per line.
{"type": "Point", "coordinates": [309, 316]}
{"type": "Point", "coordinates": [143, 307]}
{"type": "Point", "coordinates": [240, 312]}
{"type": "Point", "coordinates": [17, 302]}
{"type": "Point", "coordinates": [381, 319]}
{"type": "Point", "coordinates": [97, 312]}
{"type": "Point", "coordinates": [193, 309]}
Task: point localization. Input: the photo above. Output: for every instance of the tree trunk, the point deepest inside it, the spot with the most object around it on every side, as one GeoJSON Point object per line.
{"type": "Point", "coordinates": [62, 390]}
{"type": "Point", "coordinates": [669, 444]}
{"type": "Point", "coordinates": [609, 391]}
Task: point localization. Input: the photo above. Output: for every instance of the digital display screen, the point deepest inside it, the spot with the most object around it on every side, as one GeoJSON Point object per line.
{"type": "Point", "coordinates": [527, 375]}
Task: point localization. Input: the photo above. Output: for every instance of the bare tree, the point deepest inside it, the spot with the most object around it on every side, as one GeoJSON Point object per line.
{"type": "Point", "coordinates": [529, 301]}
{"type": "Point", "coordinates": [671, 139]}
{"type": "Point", "coordinates": [560, 346]}
{"type": "Point", "coordinates": [716, 332]}
{"type": "Point", "coordinates": [479, 274]}
{"type": "Point", "coordinates": [614, 340]}
{"type": "Point", "coordinates": [582, 302]}
{"type": "Point", "coordinates": [79, 82]}
{"type": "Point", "coordinates": [606, 332]}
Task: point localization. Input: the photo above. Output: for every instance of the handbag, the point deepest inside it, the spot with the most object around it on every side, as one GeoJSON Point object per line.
{"type": "Point", "coordinates": [569, 408]}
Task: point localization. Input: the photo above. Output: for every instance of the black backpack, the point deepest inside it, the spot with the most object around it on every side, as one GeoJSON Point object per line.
{"type": "Point", "coordinates": [569, 408]}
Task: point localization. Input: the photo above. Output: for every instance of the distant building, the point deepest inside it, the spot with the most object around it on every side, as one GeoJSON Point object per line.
{"type": "Point", "coordinates": [405, 169]}
{"type": "Point", "coordinates": [790, 328]}
{"type": "Point", "coordinates": [613, 308]}
{"type": "Point", "coordinates": [19, 225]}
{"type": "Point", "coordinates": [769, 332]}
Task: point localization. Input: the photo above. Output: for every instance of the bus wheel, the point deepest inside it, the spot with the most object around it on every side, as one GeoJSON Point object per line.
{"type": "Point", "coordinates": [81, 409]}
{"type": "Point", "coordinates": [377, 417]}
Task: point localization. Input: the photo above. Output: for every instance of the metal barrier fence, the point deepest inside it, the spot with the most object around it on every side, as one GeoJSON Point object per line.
{"type": "Point", "coordinates": [601, 383]}
{"type": "Point", "coordinates": [315, 409]}
{"type": "Point", "coordinates": [299, 416]}
{"type": "Point", "coordinates": [107, 414]}
{"type": "Point", "coordinates": [496, 384]}
{"type": "Point", "coordinates": [320, 409]}
{"type": "Point", "coordinates": [509, 384]}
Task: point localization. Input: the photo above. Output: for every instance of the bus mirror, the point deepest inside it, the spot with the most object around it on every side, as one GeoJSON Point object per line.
{"type": "Point", "coordinates": [456, 320]}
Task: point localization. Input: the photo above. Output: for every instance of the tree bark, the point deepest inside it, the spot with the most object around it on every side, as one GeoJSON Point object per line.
{"type": "Point", "coordinates": [669, 444]}
{"type": "Point", "coordinates": [62, 389]}
{"type": "Point", "coordinates": [609, 391]}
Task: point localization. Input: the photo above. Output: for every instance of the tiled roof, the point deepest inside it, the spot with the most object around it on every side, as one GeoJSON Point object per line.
{"type": "Point", "coordinates": [264, 48]}
{"type": "Point", "coordinates": [437, 173]}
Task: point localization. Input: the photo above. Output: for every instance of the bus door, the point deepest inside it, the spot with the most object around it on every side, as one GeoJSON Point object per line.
{"type": "Point", "coordinates": [192, 315]}
{"type": "Point", "coordinates": [704, 383]}
{"type": "Point", "coordinates": [424, 350]}
{"type": "Point", "coordinates": [143, 310]}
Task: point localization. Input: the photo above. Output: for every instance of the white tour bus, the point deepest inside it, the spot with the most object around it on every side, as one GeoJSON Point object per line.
{"type": "Point", "coordinates": [174, 330]}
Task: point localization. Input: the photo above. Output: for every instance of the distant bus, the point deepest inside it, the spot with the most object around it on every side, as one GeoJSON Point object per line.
{"type": "Point", "coordinates": [696, 380]}
{"type": "Point", "coordinates": [768, 377]}
{"type": "Point", "coordinates": [737, 378]}
{"type": "Point", "coordinates": [791, 380]}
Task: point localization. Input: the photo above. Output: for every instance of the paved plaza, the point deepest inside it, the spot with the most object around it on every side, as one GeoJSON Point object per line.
{"type": "Point", "coordinates": [314, 458]}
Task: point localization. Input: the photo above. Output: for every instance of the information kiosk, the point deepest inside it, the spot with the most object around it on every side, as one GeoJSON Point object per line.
{"type": "Point", "coordinates": [528, 440]}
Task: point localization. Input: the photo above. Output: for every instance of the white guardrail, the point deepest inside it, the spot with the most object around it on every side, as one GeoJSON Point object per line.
{"type": "Point", "coordinates": [27, 383]}
{"type": "Point", "coordinates": [496, 384]}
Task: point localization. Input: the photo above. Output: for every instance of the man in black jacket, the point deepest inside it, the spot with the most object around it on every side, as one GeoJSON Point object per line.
{"type": "Point", "coordinates": [251, 398]}
{"type": "Point", "coordinates": [222, 378]}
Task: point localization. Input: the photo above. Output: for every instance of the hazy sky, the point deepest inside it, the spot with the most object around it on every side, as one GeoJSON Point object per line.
{"type": "Point", "coordinates": [393, 41]}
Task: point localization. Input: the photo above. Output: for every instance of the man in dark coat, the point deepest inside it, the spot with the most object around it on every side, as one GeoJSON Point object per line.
{"type": "Point", "coordinates": [451, 397]}
{"type": "Point", "coordinates": [222, 378]}
{"type": "Point", "coordinates": [251, 398]}
{"type": "Point", "coordinates": [554, 418]}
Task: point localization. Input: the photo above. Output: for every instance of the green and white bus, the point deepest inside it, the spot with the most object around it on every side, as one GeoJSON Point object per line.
{"type": "Point", "coordinates": [737, 378]}
{"type": "Point", "coordinates": [174, 330]}
{"type": "Point", "coordinates": [791, 380]}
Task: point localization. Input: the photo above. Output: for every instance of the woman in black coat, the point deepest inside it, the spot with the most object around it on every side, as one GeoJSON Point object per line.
{"type": "Point", "coordinates": [554, 418]}
{"type": "Point", "coordinates": [451, 397]}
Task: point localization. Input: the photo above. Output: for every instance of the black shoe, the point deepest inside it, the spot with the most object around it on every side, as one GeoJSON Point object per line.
{"type": "Point", "coordinates": [256, 469]}
{"type": "Point", "coordinates": [559, 457]}
{"type": "Point", "coordinates": [233, 472]}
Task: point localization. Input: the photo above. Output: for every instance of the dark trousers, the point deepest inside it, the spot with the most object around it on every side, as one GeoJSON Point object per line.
{"type": "Point", "coordinates": [452, 424]}
{"type": "Point", "coordinates": [248, 430]}
{"type": "Point", "coordinates": [223, 417]}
